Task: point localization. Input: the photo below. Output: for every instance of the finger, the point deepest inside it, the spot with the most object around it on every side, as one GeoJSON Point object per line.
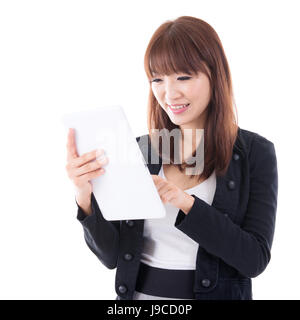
{"type": "Point", "coordinates": [162, 190]}
{"type": "Point", "coordinates": [154, 177]}
{"type": "Point", "coordinates": [168, 196]}
{"type": "Point", "coordinates": [87, 157]}
{"type": "Point", "coordinates": [91, 166]}
{"type": "Point", "coordinates": [71, 145]}
{"type": "Point", "coordinates": [89, 176]}
{"type": "Point", "coordinates": [162, 183]}
{"type": "Point", "coordinates": [157, 179]}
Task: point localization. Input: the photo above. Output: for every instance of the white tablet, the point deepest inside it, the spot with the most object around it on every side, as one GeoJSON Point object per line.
{"type": "Point", "coordinates": [126, 190]}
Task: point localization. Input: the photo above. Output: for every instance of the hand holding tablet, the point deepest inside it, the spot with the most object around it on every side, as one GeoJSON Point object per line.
{"type": "Point", "coordinates": [82, 169]}
{"type": "Point", "coordinates": [126, 189]}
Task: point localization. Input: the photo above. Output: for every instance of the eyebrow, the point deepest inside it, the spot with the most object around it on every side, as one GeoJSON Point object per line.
{"type": "Point", "coordinates": [158, 74]}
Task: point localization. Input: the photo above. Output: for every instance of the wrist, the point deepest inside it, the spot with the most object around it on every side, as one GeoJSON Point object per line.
{"type": "Point", "coordinates": [84, 202]}
{"type": "Point", "coordinates": [188, 203]}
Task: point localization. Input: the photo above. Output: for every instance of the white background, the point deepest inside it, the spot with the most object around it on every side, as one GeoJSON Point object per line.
{"type": "Point", "coordinates": [62, 56]}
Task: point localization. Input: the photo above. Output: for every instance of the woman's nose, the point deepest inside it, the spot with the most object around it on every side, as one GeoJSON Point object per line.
{"type": "Point", "coordinates": [171, 92]}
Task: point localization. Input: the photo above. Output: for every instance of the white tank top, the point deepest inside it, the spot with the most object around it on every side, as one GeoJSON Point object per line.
{"type": "Point", "coordinates": [167, 247]}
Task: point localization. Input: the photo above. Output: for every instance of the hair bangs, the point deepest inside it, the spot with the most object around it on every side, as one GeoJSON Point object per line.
{"type": "Point", "coordinates": [172, 54]}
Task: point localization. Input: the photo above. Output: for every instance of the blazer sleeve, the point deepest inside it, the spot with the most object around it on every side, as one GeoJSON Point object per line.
{"type": "Point", "coordinates": [101, 236]}
{"type": "Point", "coordinates": [246, 247]}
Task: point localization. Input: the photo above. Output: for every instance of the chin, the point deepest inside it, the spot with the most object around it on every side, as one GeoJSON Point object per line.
{"type": "Point", "coordinates": [179, 122]}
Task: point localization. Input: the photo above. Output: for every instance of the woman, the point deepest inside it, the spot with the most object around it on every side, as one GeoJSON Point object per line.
{"type": "Point", "coordinates": [220, 221]}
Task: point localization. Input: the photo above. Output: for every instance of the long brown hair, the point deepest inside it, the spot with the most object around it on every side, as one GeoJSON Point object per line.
{"type": "Point", "coordinates": [189, 45]}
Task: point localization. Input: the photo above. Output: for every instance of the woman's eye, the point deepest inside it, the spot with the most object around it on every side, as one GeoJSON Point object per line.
{"type": "Point", "coordinates": [156, 80]}
{"type": "Point", "coordinates": [184, 78]}
{"type": "Point", "coordinates": [180, 78]}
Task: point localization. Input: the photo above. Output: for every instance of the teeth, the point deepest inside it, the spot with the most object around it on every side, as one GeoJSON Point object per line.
{"type": "Point", "coordinates": [180, 107]}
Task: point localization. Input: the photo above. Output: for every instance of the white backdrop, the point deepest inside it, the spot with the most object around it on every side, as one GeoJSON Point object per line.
{"type": "Point", "coordinates": [61, 56]}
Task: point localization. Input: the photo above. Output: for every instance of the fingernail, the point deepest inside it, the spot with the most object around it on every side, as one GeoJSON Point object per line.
{"type": "Point", "coordinates": [99, 152]}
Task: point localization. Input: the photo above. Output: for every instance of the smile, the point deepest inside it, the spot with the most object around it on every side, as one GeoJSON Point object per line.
{"type": "Point", "coordinates": [179, 108]}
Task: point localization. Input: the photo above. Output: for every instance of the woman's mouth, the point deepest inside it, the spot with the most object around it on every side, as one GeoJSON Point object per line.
{"type": "Point", "coordinates": [179, 108]}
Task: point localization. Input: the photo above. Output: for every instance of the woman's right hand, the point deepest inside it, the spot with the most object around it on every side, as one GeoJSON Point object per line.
{"type": "Point", "coordinates": [82, 169]}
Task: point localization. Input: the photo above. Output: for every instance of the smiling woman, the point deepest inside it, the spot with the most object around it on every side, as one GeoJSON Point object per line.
{"type": "Point", "coordinates": [219, 224]}
{"type": "Point", "coordinates": [189, 57]}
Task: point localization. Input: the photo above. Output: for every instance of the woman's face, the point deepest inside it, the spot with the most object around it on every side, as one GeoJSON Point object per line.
{"type": "Point", "coordinates": [182, 89]}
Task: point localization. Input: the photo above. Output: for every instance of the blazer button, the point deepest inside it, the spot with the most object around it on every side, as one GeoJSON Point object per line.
{"type": "Point", "coordinates": [236, 157]}
{"type": "Point", "coordinates": [130, 223]}
{"type": "Point", "coordinates": [122, 289]}
{"type": "Point", "coordinates": [231, 184]}
{"type": "Point", "coordinates": [226, 215]}
{"type": "Point", "coordinates": [205, 283]}
{"type": "Point", "coordinates": [128, 256]}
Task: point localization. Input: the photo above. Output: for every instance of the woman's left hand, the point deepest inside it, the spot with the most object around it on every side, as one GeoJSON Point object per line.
{"type": "Point", "coordinates": [170, 193]}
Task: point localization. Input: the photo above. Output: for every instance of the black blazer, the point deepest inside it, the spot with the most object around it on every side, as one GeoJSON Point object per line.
{"type": "Point", "coordinates": [235, 233]}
